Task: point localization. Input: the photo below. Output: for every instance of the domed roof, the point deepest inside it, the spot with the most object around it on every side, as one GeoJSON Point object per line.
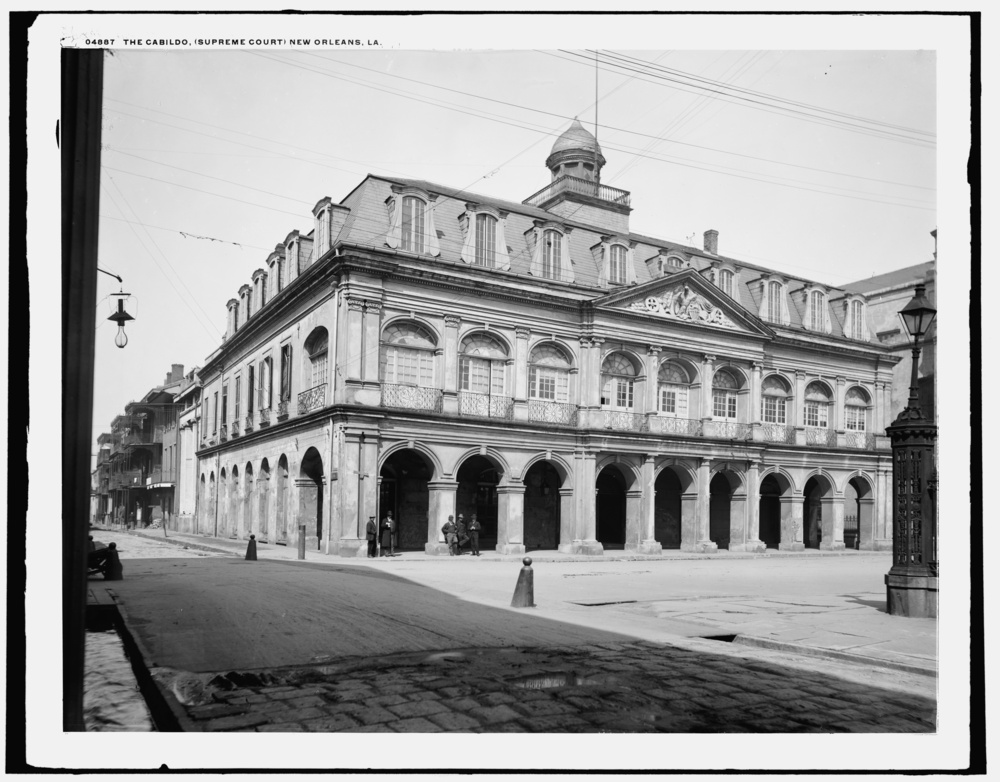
{"type": "Point", "coordinates": [576, 137]}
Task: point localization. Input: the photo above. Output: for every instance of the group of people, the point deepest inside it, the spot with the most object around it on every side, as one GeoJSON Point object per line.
{"type": "Point", "coordinates": [386, 527]}
{"type": "Point", "coordinates": [457, 535]}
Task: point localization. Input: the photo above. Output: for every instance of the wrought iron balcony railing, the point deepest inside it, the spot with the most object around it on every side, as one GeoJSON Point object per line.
{"type": "Point", "coordinates": [264, 416]}
{"type": "Point", "coordinates": [312, 399]}
{"type": "Point", "coordinates": [662, 424]}
{"type": "Point", "coordinates": [485, 405]}
{"type": "Point", "coordinates": [541, 411]}
{"type": "Point", "coordinates": [283, 409]}
{"type": "Point", "coordinates": [818, 435]}
{"type": "Point", "coordinates": [248, 424]}
{"type": "Point", "coordinates": [160, 476]}
{"type": "Point", "coordinates": [730, 430]}
{"type": "Point", "coordinates": [625, 421]}
{"type": "Point", "coordinates": [582, 187]}
{"type": "Point", "coordinates": [411, 397]}
{"type": "Point", "coordinates": [778, 433]}
{"type": "Point", "coordinates": [223, 434]}
{"type": "Point", "coordinates": [864, 440]}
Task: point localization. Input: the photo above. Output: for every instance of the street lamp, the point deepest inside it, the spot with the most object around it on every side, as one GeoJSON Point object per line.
{"type": "Point", "coordinates": [912, 581]}
{"type": "Point", "coordinates": [119, 316]}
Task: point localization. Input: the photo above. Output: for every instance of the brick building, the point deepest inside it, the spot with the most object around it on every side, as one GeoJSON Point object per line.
{"type": "Point", "coordinates": [578, 386]}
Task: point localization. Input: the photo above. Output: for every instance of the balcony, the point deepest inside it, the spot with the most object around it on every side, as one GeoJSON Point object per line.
{"type": "Point", "coordinates": [485, 406]}
{"type": "Point", "coordinates": [313, 399]}
{"type": "Point", "coordinates": [223, 433]}
{"type": "Point", "coordinates": [541, 411]}
{"type": "Point", "coordinates": [662, 424]}
{"type": "Point", "coordinates": [864, 440]}
{"type": "Point", "coordinates": [264, 417]}
{"type": "Point", "coordinates": [283, 410]}
{"type": "Point", "coordinates": [248, 425]}
{"type": "Point", "coordinates": [584, 187]}
{"type": "Point", "coordinates": [623, 421]}
{"type": "Point", "coordinates": [234, 428]}
{"type": "Point", "coordinates": [818, 435]}
{"type": "Point", "coordinates": [730, 430]}
{"type": "Point", "coordinates": [778, 433]}
{"type": "Point", "coordinates": [160, 476]}
{"type": "Point", "coordinates": [411, 397]}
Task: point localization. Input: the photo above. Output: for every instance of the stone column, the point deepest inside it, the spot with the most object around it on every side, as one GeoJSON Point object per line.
{"type": "Point", "coordinates": [878, 421]}
{"type": "Point", "coordinates": [370, 355]}
{"type": "Point", "coordinates": [866, 523]}
{"type": "Point", "coordinates": [354, 339]}
{"type": "Point", "coordinates": [567, 507]}
{"type": "Point", "coordinates": [510, 519]}
{"type": "Point", "coordinates": [648, 543]}
{"type": "Point", "coordinates": [791, 523]}
{"type": "Point", "coordinates": [441, 504]}
{"type": "Point", "coordinates": [584, 539]}
{"type": "Point", "coordinates": [752, 512]}
{"type": "Point", "coordinates": [450, 385]}
{"type": "Point", "coordinates": [704, 542]}
{"type": "Point", "coordinates": [832, 520]}
{"type": "Point", "coordinates": [883, 509]}
{"type": "Point", "coordinates": [633, 519]}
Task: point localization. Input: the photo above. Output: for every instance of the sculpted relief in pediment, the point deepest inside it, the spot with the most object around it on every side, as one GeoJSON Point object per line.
{"type": "Point", "coordinates": [683, 303]}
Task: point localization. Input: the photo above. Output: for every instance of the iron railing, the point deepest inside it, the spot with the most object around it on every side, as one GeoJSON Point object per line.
{"type": "Point", "coordinates": [581, 186]}
{"type": "Point", "coordinates": [411, 397]}
{"type": "Point", "coordinates": [541, 411]}
{"type": "Point", "coordinates": [730, 430]}
{"type": "Point", "coordinates": [264, 416]}
{"type": "Point", "coordinates": [852, 532]}
{"type": "Point", "coordinates": [223, 433]}
{"type": "Point", "coordinates": [312, 399]}
{"type": "Point", "coordinates": [249, 422]}
{"type": "Point", "coordinates": [864, 440]}
{"type": "Point", "coordinates": [778, 433]}
{"type": "Point", "coordinates": [234, 428]}
{"type": "Point", "coordinates": [160, 476]}
{"type": "Point", "coordinates": [662, 424]}
{"type": "Point", "coordinates": [283, 409]}
{"type": "Point", "coordinates": [817, 435]}
{"type": "Point", "coordinates": [626, 422]}
{"type": "Point", "coordinates": [485, 405]}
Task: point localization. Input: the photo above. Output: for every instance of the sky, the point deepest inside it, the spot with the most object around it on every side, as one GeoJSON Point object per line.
{"type": "Point", "coordinates": [821, 164]}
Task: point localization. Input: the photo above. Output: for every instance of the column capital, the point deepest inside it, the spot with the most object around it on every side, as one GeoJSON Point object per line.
{"type": "Point", "coordinates": [841, 380]}
{"type": "Point", "coordinates": [452, 321]}
{"type": "Point", "coordinates": [757, 366]}
{"type": "Point", "coordinates": [373, 306]}
{"type": "Point", "coordinates": [708, 357]}
{"type": "Point", "coordinates": [355, 304]}
{"type": "Point", "coordinates": [653, 350]}
{"type": "Point", "coordinates": [522, 332]}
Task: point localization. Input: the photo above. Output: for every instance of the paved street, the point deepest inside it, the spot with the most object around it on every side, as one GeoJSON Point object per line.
{"type": "Point", "coordinates": [424, 645]}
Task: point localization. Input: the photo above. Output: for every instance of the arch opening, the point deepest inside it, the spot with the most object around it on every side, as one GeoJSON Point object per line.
{"type": "Point", "coordinates": [478, 478]}
{"type": "Point", "coordinates": [311, 496]}
{"type": "Point", "coordinates": [668, 508]}
{"type": "Point", "coordinates": [612, 486]}
{"type": "Point", "coordinates": [542, 506]}
{"type": "Point", "coordinates": [817, 489]}
{"type": "Point", "coordinates": [404, 491]}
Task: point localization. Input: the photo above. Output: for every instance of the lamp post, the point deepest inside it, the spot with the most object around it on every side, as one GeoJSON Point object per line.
{"type": "Point", "coordinates": [912, 581]}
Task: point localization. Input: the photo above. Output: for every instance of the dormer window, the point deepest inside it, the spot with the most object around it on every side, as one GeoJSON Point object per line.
{"type": "Point", "coordinates": [413, 224]}
{"type": "Point", "coordinates": [774, 301]}
{"type": "Point", "coordinates": [549, 243]}
{"type": "Point", "coordinates": [412, 221]}
{"type": "Point", "coordinates": [618, 260]}
{"type": "Point", "coordinates": [856, 326]}
{"type": "Point", "coordinates": [614, 256]}
{"type": "Point", "coordinates": [486, 240]}
{"type": "Point", "coordinates": [817, 302]}
{"type": "Point", "coordinates": [726, 282]}
{"type": "Point", "coordinates": [551, 254]}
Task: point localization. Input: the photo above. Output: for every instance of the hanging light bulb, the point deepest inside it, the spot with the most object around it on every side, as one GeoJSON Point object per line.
{"type": "Point", "coordinates": [120, 317]}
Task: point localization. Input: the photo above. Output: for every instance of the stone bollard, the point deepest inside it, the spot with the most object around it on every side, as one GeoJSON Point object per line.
{"type": "Point", "coordinates": [252, 548]}
{"type": "Point", "coordinates": [114, 568]}
{"type": "Point", "coordinates": [302, 541]}
{"type": "Point", "coordinates": [524, 592]}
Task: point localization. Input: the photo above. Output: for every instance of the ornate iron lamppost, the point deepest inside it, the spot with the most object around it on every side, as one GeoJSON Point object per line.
{"type": "Point", "coordinates": [912, 582]}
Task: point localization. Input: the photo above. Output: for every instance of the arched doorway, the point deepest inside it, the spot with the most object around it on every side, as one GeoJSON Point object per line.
{"type": "Point", "coordinates": [769, 529]}
{"type": "Point", "coordinates": [212, 520]}
{"type": "Point", "coordinates": [234, 503]}
{"type": "Point", "coordinates": [542, 507]}
{"type": "Point", "coordinates": [478, 478]}
{"type": "Point", "coordinates": [859, 506]}
{"type": "Point", "coordinates": [281, 500]}
{"type": "Point", "coordinates": [249, 526]}
{"type": "Point", "coordinates": [722, 520]}
{"type": "Point", "coordinates": [223, 504]}
{"type": "Point", "coordinates": [668, 507]}
{"type": "Point", "coordinates": [263, 496]}
{"type": "Point", "coordinates": [403, 490]}
{"type": "Point", "coordinates": [310, 486]}
{"type": "Point", "coordinates": [815, 522]}
{"type": "Point", "coordinates": [612, 486]}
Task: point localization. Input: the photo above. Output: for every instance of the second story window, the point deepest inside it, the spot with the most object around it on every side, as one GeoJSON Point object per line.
{"type": "Point", "coordinates": [486, 240]}
{"type": "Point", "coordinates": [317, 349]}
{"type": "Point", "coordinates": [215, 412]}
{"type": "Point", "coordinates": [250, 387]}
{"type": "Point", "coordinates": [672, 390]}
{"type": "Point", "coordinates": [856, 406]}
{"type": "Point", "coordinates": [618, 260]}
{"type": "Point", "coordinates": [407, 355]}
{"type": "Point", "coordinates": [816, 410]}
{"type": "Point", "coordinates": [774, 394]}
{"type": "Point", "coordinates": [286, 373]}
{"type": "Point", "coordinates": [483, 365]}
{"type": "Point", "coordinates": [551, 254]}
{"type": "Point", "coordinates": [548, 374]}
{"type": "Point", "coordinates": [724, 391]}
{"type": "Point", "coordinates": [618, 383]}
{"type": "Point", "coordinates": [236, 400]}
{"type": "Point", "coordinates": [225, 405]}
{"type": "Point", "coordinates": [412, 236]}
{"type": "Point", "coordinates": [265, 380]}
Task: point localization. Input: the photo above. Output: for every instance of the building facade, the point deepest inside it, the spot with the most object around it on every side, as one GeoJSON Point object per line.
{"type": "Point", "coordinates": [577, 386]}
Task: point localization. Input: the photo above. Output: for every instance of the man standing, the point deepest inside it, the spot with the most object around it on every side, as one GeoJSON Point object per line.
{"type": "Point", "coordinates": [388, 527]}
{"type": "Point", "coordinates": [371, 532]}
{"type": "Point", "coordinates": [450, 536]}
{"type": "Point", "coordinates": [474, 527]}
{"type": "Point", "coordinates": [460, 533]}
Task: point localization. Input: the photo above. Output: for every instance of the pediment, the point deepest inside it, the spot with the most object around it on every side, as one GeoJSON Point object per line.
{"type": "Point", "coordinates": [686, 297]}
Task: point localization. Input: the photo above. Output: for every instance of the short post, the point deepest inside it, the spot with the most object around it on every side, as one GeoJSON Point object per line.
{"type": "Point", "coordinates": [252, 549]}
{"type": "Point", "coordinates": [524, 592]}
{"type": "Point", "coordinates": [302, 541]}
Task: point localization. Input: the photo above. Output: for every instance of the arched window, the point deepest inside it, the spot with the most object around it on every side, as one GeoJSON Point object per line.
{"type": "Point", "coordinates": [483, 365]}
{"type": "Point", "coordinates": [413, 232]}
{"type": "Point", "coordinates": [857, 318]}
{"type": "Point", "coordinates": [486, 240]}
{"type": "Point", "coordinates": [548, 374]}
{"type": "Point", "coordinates": [672, 390]}
{"type": "Point", "coordinates": [817, 405]}
{"type": "Point", "coordinates": [551, 254]}
{"type": "Point", "coordinates": [407, 355]}
{"type": "Point", "coordinates": [856, 406]}
{"type": "Point", "coordinates": [774, 302]}
{"type": "Point", "coordinates": [618, 261]}
{"type": "Point", "coordinates": [317, 349]}
{"type": "Point", "coordinates": [774, 394]}
{"type": "Point", "coordinates": [617, 382]}
{"type": "Point", "coordinates": [726, 281]}
{"type": "Point", "coordinates": [724, 388]}
{"type": "Point", "coordinates": [817, 303]}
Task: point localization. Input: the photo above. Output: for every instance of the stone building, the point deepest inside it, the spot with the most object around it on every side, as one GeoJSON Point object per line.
{"type": "Point", "coordinates": [576, 385]}
{"type": "Point", "coordinates": [188, 401]}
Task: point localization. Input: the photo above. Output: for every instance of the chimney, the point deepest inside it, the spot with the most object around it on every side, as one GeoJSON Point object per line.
{"type": "Point", "coordinates": [176, 373]}
{"type": "Point", "coordinates": [712, 241]}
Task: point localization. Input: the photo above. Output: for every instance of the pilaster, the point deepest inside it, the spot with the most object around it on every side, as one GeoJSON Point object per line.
{"type": "Point", "coordinates": [449, 400]}
{"type": "Point", "coordinates": [440, 505]}
{"type": "Point", "coordinates": [510, 519]}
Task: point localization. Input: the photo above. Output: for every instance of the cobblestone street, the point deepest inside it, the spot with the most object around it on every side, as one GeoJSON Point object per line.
{"type": "Point", "coordinates": [614, 687]}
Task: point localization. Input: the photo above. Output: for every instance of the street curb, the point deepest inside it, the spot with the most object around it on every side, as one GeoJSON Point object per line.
{"type": "Point", "coordinates": [813, 651]}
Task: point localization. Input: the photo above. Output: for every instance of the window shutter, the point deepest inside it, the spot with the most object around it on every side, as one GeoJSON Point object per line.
{"type": "Point", "coordinates": [395, 206]}
{"type": "Point", "coordinates": [630, 277]}
{"type": "Point", "coordinates": [534, 237]}
{"type": "Point", "coordinates": [466, 222]}
{"type": "Point", "coordinates": [502, 256]}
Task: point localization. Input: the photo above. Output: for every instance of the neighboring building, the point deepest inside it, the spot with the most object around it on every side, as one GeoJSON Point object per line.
{"type": "Point", "coordinates": [188, 400]}
{"type": "Point", "coordinates": [143, 456]}
{"type": "Point", "coordinates": [886, 295]}
{"type": "Point", "coordinates": [101, 509]}
{"type": "Point", "coordinates": [576, 385]}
